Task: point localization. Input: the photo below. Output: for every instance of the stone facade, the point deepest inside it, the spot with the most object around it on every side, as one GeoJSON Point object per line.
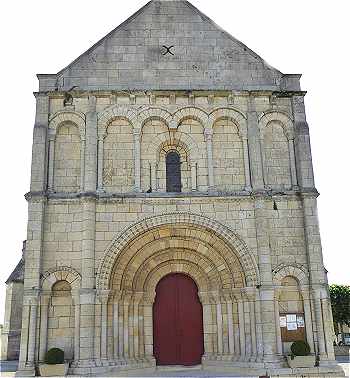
{"type": "Point", "coordinates": [103, 230]}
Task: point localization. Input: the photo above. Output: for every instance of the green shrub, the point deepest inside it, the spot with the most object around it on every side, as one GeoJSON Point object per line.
{"type": "Point", "coordinates": [300, 348]}
{"type": "Point", "coordinates": [54, 356]}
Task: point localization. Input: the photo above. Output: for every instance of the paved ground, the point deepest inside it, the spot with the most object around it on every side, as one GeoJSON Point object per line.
{"type": "Point", "coordinates": [8, 369]}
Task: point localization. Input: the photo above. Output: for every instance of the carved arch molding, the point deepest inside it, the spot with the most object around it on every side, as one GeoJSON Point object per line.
{"type": "Point", "coordinates": [212, 254]}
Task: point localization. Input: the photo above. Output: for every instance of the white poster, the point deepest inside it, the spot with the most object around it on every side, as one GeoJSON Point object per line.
{"type": "Point", "coordinates": [300, 322]}
{"type": "Point", "coordinates": [292, 326]}
{"type": "Point", "coordinates": [283, 321]}
{"type": "Point", "coordinates": [291, 318]}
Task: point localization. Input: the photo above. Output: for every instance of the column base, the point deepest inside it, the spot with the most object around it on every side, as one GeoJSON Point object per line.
{"type": "Point", "coordinates": [25, 370]}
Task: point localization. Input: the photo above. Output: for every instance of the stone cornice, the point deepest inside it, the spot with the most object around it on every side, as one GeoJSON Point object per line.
{"type": "Point", "coordinates": [148, 92]}
{"type": "Point", "coordinates": [218, 196]}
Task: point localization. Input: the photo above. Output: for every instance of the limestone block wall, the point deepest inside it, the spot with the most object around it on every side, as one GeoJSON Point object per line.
{"type": "Point", "coordinates": [67, 171]}
{"type": "Point", "coordinates": [245, 220]}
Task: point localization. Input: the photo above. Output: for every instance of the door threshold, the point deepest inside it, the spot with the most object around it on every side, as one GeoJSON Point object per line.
{"type": "Point", "coordinates": [178, 367]}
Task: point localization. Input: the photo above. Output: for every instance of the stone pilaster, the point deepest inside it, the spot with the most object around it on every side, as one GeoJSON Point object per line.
{"type": "Point", "coordinates": [302, 144]}
{"type": "Point", "coordinates": [39, 151]}
{"type": "Point", "coordinates": [267, 294]}
{"type": "Point", "coordinates": [91, 147]}
{"type": "Point", "coordinates": [255, 153]}
{"type": "Point", "coordinates": [87, 294]}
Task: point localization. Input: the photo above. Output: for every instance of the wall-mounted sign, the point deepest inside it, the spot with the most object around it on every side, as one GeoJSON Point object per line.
{"type": "Point", "coordinates": [292, 326]}
{"type": "Point", "coordinates": [283, 321]}
{"type": "Point", "coordinates": [300, 322]}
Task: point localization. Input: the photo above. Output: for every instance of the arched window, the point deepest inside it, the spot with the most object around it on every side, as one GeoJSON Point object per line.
{"type": "Point", "coordinates": [173, 172]}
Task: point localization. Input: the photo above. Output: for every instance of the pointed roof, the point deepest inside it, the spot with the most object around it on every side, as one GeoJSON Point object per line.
{"type": "Point", "coordinates": [18, 273]}
{"type": "Point", "coordinates": [167, 45]}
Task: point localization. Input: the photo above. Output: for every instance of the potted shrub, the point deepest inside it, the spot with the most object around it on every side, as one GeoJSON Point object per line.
{"type": "Point", "coordinates": [300, 357]}
{"type": "Point", "coordinates": [54, 364]}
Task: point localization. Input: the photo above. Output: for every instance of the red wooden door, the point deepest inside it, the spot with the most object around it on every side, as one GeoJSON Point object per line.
{"type": "Point", "coordinates": [177, 322]}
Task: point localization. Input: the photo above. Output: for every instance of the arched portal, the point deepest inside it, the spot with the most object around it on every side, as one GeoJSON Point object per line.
{"type": "Point", "coordinates": [177, 322]}
{"type": "Point", "coordinates": [215, 258]}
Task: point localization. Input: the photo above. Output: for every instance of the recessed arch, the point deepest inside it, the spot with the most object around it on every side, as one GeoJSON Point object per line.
{"type": "Point", "coordinates": [191, 113]}
{"type": "Point", "coordinates": [154, 113]}
{"type": "Point", "coordinates": [223, 233]}
{"type": "Point", "coordinates": [282, 118]}
{"type": "Point", "coordinates": [296, 271]}
{"type": "Point", "coordinates": [62, 117]}
{"type": "Point", "coordinates": [61, 273]}
{"type": "Point", "coordinates": [112, 113]}
{"type": "Point", "coordinates": [237, 117]}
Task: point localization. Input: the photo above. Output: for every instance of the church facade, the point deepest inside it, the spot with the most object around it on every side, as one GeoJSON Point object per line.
{"type": "Point", "coordinates": [172, 207]}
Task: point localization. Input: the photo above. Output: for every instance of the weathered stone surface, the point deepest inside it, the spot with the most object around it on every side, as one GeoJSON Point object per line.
{"type": "Point", "coordinates": [103, 230]}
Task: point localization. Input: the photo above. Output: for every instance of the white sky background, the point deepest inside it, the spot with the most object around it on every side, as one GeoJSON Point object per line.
{"type": "Point", "coordinates": [300, 36]}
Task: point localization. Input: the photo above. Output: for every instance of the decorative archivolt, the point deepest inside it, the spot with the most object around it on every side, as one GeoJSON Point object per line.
{"type": "Point", "coordinates": [154, 113]}
{"type": "Point", "coordinates": [111, 113]}
{"type": "Point", "coordinates": [227, 236]}
{"type": "Point", "coordinates": [234, 115]}
{"type": "Point", "coordinates": [64, 116]}
{"type": "Point", "coordinates": [292, 270]}
{"type": "Point", "coordinates": [190, 113]}
{"type": "Point", "coordinates": [61, 273]}
{"type": "Point", "coordinates": [283, 119]}
{"type": "Point", "coordinates": [178, 138]}
{"type": "Point", "coordinates": [138, 119]}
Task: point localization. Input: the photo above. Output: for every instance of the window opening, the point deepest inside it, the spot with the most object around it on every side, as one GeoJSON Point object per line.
{"type": "Point", "coordinates": [173, 172]}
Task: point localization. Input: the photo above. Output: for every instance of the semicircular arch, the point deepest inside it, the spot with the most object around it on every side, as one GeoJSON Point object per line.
{"type": "Point", "coordinates": [281, 118]}
{"type": "Point", "coordinates": [62, 117]}
{"type": "Point", "coordinates": [153, 113]}
{"type": "Point", "coordinates": [112, 113]}
{"type": "Point", "coordinates": [225, 235]}
{"type": "Point", "coordinates": [61, 273]}
{"type": "Point", "coordinates": [237, 117]}
{"type": "Point", "coordinates": [190, 112]}
{"type": "Point", "coordinates": [295, 271]}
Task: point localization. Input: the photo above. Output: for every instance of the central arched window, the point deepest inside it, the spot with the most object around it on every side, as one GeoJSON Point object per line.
{"type": "Point", "coordinates": [173, 172]}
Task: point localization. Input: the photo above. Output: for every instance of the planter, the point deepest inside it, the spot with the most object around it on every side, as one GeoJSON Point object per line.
{"type": "Point", "coordinates": [57, 370]}
{"type": "Point", "coordinates": [301, 361]}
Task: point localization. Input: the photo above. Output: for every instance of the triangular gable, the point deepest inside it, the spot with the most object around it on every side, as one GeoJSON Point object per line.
{"type": "Point", "coordinates": [132, 56]}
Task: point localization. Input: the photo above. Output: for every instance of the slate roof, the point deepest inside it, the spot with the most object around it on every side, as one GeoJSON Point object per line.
{"type": "Point", "coordinates": [18, 273]}
{"type": "Point", "coordinates": [133, 56]}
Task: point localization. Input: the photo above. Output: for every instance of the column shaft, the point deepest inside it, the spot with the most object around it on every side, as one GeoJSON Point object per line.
{"type": "Point", "coordinates": [116, 329]}
{"type": "Point", "coordinates": [50, 184]}
{"type": "Point", "coordinates": [100, 162]}
{"type": "Point", "coordinates": [104, 330]}
{"type": "Point", "coordinates": [248, 184]}
{"type": "Point", "coordinates": [241, 328]}
{"type": "Point", "coordinates": [209, 143]}
{"type": "Point", "coordinates": [278, 329]}
{"type": "Point", "coordinates": [137, 160]}
{"type": "Point", "coordinates": [43, 327]}
{"type": "Point", "coordinates": [252, 329]}
{"type": "Point", "coordinates": [82, 165]}
{"type": "Point", "coordinates": [194, 177]}
{"type": "Point", "coordinates": [231, 342]}
{"type": "Point", "coordinates": [319, 325]}
{"type": "Point", "coordinates": [219, 328]}
{"type": "Point", "coordinates": [154, 177]}
{"type": "Point", "coordinates": [76, 329]}
{"type": "Point", "coordinates": [126, 329]}
{"type": "Point", "coordinates": [293, 170]}
{"type": "Point", "coordinates": [32, 333]}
